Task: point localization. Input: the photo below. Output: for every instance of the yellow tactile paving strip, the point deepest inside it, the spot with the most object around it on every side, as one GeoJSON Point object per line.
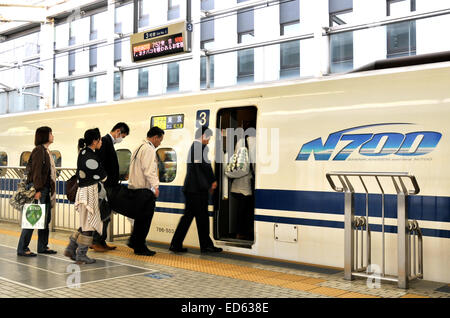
{"type": "Point", "coordinates": [267, 277]}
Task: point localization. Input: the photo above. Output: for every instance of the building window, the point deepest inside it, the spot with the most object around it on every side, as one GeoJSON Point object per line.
{"type": "Point", "coordinates": [401, 39]}
{"type": "Point", "coordinates": [143, 82]}
{"type": "Point", "coordinates": [24, 158]}
{"type": "Point", "coordinates": [144, 17]}
{"type": "Point", "coordinates": [400, 7]}
{"type": "Point", "coordinates": [71, 93]}
{"type": "Point", "coordinates": [289, 51]}
{"type": "Point", "coordinates": [117, 51]}
{"type": "Point", "coordinates": [167, 164]}
{"type": "Point", "coordinates": [341, 44]}
{"type": "Point", "coordinates": [124, 156]}
{"type": "Point", "coordinates": [71, 62]}
{"type": "Point", "coordinates": [3, 159]}
{"type": "Point", "coordinates": [173, 11]}
{"type": "Point", "coordinates": [93, 58]}
{"type": "Point", "coordinates": [92, 89]}
{"type": "Point", "coordinates": [207, 5]}
{"type": "Point", "coordinates": [340, 11]}
{"type": "Point", "coordinates": [245, 29]}
{"type": "Point", "coordinates": [93, 28]}
{"type": "Point", "coordinates": [173, 77]}
{"type": "Point", "coordinates": [117, 94]}
{"type": "Point", "coordinates": [206, 42]}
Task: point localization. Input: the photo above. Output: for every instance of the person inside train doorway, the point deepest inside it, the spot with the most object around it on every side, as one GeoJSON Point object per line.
{"type": "Point", "coordinates": [144, 175]}
{"type": "Point", "coordinates": [41, 172]}
{"type": "Point", "coordinates": [199, 181]}
{"type": "Point", "coordinates": [242, 189]}
{"type": "Point", "coordinates": [108, 158]}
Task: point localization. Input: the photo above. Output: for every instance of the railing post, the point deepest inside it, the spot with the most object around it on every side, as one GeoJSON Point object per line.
{"type": "Point", "coordinates": [349, 240]}
{"type": "Point", "coordinates": [402, 241]}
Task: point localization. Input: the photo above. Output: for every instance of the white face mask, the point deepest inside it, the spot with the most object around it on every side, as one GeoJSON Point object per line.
{"type": "Point", "coordinates": [118, 140]}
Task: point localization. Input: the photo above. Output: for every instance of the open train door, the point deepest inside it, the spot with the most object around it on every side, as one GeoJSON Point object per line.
{"type": "Point", "coordinates": [234, 200]}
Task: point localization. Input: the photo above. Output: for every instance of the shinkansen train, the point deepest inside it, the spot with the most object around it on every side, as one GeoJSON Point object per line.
{"type": "Point", "coordinates": [389, 120]}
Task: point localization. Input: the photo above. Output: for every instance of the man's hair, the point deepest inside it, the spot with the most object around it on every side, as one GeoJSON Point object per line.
{"type": "Point", "coordinates": [42, 135]}
{"type": "Point", "coordinates": [155, 131]}
{"type": "Point", "coordinates": [204, 130]}
{"type": "Point", "coordinates": [124, 129]}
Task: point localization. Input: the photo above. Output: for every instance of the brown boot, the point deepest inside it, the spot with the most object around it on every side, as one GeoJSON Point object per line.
{"type": "Point", "coordinates": [99, 248]}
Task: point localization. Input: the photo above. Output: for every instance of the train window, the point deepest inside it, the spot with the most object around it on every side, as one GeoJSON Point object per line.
{"type": "Point", "coordinates": [124, 156]}
{"type": "Point", "coordinates": [24, 158]}
{"type": "Point", "coordinates": [57, 158]}
{"type": "Point", "coordinates": [3, 158]}
{"type": "Point", "coordinates": [3, 162]}
{"type": "Point", "coordinates": [167, 164]}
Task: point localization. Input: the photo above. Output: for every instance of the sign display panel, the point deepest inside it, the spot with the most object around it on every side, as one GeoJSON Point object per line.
{"type": "Point", "coordinates": [168, 121]}
{"type": "Point", "coordinates": [162, 41]}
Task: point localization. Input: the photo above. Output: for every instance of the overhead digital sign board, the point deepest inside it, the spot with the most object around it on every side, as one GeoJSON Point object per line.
{"type": "Point", "coordinates": [163, 41]}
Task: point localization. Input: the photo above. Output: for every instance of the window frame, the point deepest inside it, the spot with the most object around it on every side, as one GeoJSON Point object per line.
{"type": "Point", "coordinates": [21, 160]}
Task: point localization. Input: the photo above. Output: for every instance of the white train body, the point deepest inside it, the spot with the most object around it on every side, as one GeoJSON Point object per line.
{"type": "Point", "coordinates": [395, 120]}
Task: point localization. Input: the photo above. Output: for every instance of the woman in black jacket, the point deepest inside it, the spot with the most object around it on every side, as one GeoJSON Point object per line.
{"type": "Point", "coordinates": [89, 175]}
{"type": "Point", "coordinates": [41, 173]}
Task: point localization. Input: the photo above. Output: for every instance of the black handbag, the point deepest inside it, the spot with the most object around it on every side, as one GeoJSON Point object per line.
{"type": "Point", "coordinates": [131, 203]}
{"type": "Point", "coordinates": [72, 188]}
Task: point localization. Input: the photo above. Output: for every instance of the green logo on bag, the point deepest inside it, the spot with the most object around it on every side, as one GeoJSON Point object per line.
{"type": "Point", "coordinates": [33, 214]}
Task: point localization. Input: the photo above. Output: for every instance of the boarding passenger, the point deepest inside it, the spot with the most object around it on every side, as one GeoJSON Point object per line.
{"type": "Point", "coordinates": [41, 172]}
{"type": "Point", "coordinates": [110, 162]}
{"type": "Point", "coordinates": [198, 182]}
{"type": "Point", "coordinates": [144, 175]}
{"type": "Point", "coordinates": [242, 189]}
{"type": "Point", "coordinates": [89, 174]}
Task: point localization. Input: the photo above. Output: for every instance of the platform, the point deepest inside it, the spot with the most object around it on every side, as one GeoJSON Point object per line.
{"type": "Point", "coordinates": [121, 274]}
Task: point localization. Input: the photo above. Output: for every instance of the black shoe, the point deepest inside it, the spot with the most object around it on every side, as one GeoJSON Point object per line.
{"type": "Point", "coordinates": [178, 249]}
{"type": "Point", "coordinates": [211, 249]}
{"type": "Point", "coordinates": [144, 251]}
{"type": "Point", "coordinates": [48, 251]}
{"type": "Point", "coordinates": [27, 254]}
{"type": "Point", "coordinates": [130, 244]}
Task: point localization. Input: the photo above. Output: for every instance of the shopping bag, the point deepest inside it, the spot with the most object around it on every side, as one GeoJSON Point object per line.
{"type": "Point", "coordinates": [33, 216]}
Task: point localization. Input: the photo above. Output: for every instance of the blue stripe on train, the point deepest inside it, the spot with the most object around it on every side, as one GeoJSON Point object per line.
{"type": "Point", "coordinates": [426, 208]}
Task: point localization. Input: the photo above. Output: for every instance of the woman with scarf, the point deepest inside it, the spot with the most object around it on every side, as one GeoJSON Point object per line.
{"type": "Point", "coordinates": [41, 172]}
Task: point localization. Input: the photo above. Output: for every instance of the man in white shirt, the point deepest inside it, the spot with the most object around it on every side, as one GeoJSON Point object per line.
{"type": "Point", "coordinates": [144, 175]}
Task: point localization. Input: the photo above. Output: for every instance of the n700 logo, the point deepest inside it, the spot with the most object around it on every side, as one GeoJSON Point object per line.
{"type": "Point", "coordinates": [416, 143]}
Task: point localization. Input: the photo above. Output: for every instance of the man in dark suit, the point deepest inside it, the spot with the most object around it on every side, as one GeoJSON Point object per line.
{"type": "Point", "coordinates": [198, 182]}
{"type": "Point", "coordinates": [110, 163]}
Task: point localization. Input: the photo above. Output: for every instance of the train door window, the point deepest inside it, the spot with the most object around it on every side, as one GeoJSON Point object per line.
{"type": "Point", "coordinates": [235, 200]}
{"type": "Point", "coordinates": [24, 158]}
{"type": "Point", "coordinates": [124, 156]}
{"type": "Point", "coordinates": [167, 164]}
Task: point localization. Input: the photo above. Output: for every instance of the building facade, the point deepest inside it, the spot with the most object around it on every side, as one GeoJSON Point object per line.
{"type": "Point", "coordinates": [82, 54]}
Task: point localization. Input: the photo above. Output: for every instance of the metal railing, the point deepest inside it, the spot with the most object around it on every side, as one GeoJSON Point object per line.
{"type": "Point", "coordinates": [405, 228]}
{"type": "Point", "coordinates": [64, 216]}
